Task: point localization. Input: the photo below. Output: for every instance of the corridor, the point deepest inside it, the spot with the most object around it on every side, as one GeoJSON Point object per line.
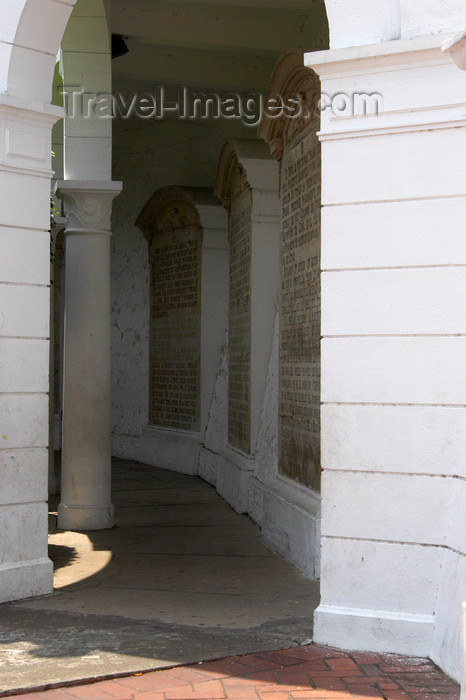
{"type": "Point", "coordinates": [180, 578]}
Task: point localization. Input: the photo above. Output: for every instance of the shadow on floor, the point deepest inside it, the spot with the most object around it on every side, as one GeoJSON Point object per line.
{"type": "Point", "coordinates": [180, 578]}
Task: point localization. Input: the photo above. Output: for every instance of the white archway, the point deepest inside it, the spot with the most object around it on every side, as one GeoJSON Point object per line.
{"type": "Point", "coordinates": [30, 35]}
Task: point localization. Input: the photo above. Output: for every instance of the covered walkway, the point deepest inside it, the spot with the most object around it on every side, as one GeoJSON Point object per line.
{"type": "Point", "coordinates": [180, 578]}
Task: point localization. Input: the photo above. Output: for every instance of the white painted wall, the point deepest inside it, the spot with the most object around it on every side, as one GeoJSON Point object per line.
{"type": "Point", "coordinates": [358, 22]}
{"type": "Point", "coordinates": [393, 371]}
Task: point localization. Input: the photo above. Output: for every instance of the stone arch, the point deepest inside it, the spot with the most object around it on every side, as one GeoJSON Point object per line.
{"type": "Point", "coordinates": [85, 61]}
{"type": "Point", "coordinates": [238, 157]}
{"type": "Point", "coordinates": [31, 32]}
{"type": "Point", "coordinates": [169, 209]}
{"type": "Point", "coordinates": [290, 78]}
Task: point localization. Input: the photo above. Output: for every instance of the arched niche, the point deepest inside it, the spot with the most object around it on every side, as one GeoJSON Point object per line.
{"type": "Point", "coordinates": [186, 230]}
{"type": "Point", "coordinates": [172, 226]}
{"type": "Point", "coordinates": [294, 142]}
{"type": "Point", "coordinates": [247, 184]}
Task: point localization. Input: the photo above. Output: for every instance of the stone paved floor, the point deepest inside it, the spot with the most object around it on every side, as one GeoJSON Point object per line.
{"type": "Point", "coordinates": [180, 578]}
{"type": "Point", "coordinates": [310, 671]}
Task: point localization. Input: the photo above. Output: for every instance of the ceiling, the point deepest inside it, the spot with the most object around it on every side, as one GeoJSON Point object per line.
{"type": "Point", "coordinates": [228, 45]}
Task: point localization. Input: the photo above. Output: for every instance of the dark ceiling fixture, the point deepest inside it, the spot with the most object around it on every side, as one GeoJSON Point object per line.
{"type": "Point", "coordinates": [119, 47]}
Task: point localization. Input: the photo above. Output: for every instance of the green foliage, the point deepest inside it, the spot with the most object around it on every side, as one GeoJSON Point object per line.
{"type": "Point", "coordinates": [53, 211]}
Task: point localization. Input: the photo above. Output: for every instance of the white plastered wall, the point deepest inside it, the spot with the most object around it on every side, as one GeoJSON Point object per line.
{"type": "Point", "coordinates": [393, 371]}
{"type": "Point", "coordinates": [358, 22]}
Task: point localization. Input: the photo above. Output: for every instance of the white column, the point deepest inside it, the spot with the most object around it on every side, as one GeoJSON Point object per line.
{"type": "Point", "coordinates": [86, 462]}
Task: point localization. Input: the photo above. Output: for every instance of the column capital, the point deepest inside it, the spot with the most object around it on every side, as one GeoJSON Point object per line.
{"type": "Point", "coordinates": [88, 204]}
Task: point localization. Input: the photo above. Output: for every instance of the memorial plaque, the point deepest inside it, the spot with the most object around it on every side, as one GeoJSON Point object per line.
{"type": "Point", "coordinates": [175, 328]}
{"type": "Point", "coordinates": [239, 372]}
{"type": "Point", "coordinates": [299, 411]}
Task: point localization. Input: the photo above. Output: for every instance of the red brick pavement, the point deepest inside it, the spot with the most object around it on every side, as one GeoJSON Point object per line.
{"type": "Point", "coordinates": [309, 672]}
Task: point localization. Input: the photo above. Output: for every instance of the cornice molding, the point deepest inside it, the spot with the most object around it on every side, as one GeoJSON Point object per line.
{"type": "Point", "coordinates": [386, 56]}
{"type": "Point", "coordinates": [456, 47]}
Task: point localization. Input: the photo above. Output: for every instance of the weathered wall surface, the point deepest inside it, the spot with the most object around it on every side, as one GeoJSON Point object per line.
{"type": "Point", "coordinates": [357, 22]}
{"type": "Point", "coordinates": [300, 307]}
{"type": "Point", "coordinates": [175, 341]}
{"type": "Point", "coordinates": [239, 360]}
{"type": "Point", "coordinates": [148, 157]}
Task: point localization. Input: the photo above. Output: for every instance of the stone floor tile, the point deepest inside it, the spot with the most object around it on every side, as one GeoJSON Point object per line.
{"type": "Point", "coordinates": [366, 658]}
{"type": "Point", "coordinates": [387, 685]}
{"type": "Point", "coordinates": [329, 683]}
{"type": "Point", "coordinates": [280, 658]}
{"type": "Point", "coordinates": [259, 663]}
{"type": "Point", "coordinates": [226, 667]}
{"type": "Point", "coordinates": [188, 674]}
{"type": "Point", "coordinates": [241, 692]}
{"type": "Point", "coordinates": [57, 694]}
{"type": "Point", "coordinates": [87, 691]}
{"type": "Point", "coordinates": [112, 688]}
{"type": "Point", "coordinates": [209, 690]}
{"type": "Point", "coordinates": [316, 695]}
{"type": "Point", "coordinates": [294, 677]}
{"type": "Point", "coordinates": [342, 664]}
{"type": "Point", "coordinates": [262, 678]}
{"type": "Point", "coordinates": [153, 681]}
{"type": "Point", "coordinates": [366, 691]}
{"type": "Point", "coordinates": [371, 670]}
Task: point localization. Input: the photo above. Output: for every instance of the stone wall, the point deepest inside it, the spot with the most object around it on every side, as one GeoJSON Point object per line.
{"type": "Point", "coordinates": [239, 367]}
{"type": "Point", "coordinates": [300, 306]}
{"type": "Point", "coordinates": [175, 333]}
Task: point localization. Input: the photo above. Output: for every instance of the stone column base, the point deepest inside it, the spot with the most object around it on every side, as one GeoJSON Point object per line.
{"type": "Point", "coordinates": [85, 517]}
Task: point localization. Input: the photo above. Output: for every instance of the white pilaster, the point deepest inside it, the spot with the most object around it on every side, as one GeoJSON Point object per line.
{"type": "Point", "coordinates": [25, 141]}
{"type": "Point", "coordinates": [86, 469]}
{"type": "Point", "coordinates": [393, 372]}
